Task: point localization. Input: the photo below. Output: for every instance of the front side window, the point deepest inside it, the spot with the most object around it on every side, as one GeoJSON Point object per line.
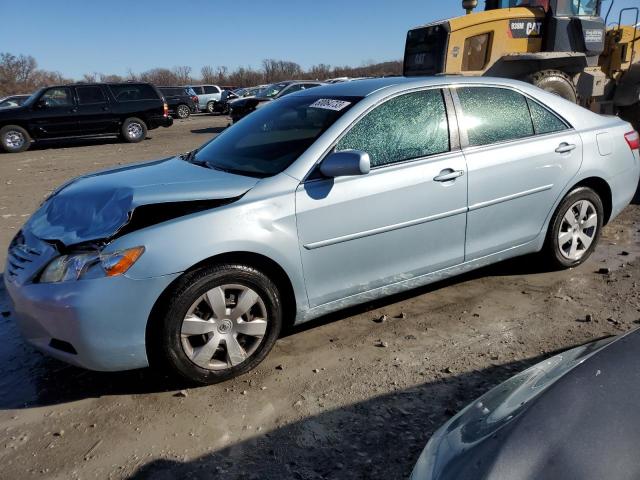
{"type": "Point", "coordinates": [274, 136]}
{"type": "Point", "coordinates": [57, 97]}
{"type": "Point", "coordinates": [492, 115]}
{"type": "Point", "coordinates": [89, 95]}
{"type": "Point", "coordinates": [545, 121]}
{"type": "Point", "coordinates": [409, 126]}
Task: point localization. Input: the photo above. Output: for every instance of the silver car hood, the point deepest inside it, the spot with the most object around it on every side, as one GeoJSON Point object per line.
{"type": "Point", "coordinates": [97, 206]}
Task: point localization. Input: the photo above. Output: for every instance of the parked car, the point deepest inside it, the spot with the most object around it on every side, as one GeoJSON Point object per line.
{"type": "Point", "coordinates": [242, 107]}
{"type": "Point", "coordinates": [574, 415]}
{"type": "Point", "coordinates": [228, 95]}
{"type": "Point", "coordinates": [182, 101]}
{"type": "Point", "coordinates": [84, 110]}
{"type": "Point", "coordinates": [370, 188]}
{"type": "Point", "coordinates": [13, 101]}
{"type": "Point", "coordinates": [208, 97]}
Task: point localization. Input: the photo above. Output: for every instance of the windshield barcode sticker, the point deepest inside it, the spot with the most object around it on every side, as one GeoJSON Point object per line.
{"type": "Point", "coordinates": [330, 104]}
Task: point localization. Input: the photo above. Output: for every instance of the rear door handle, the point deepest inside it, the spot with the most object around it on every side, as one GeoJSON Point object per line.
{"type": "Point", "coordinates": [565, 147]}
{"type": "Point", "coordinates": [448, 174]}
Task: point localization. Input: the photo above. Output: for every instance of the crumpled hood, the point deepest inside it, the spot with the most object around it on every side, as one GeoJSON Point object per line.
{"type": "Point", "coordinates": [98, 205]}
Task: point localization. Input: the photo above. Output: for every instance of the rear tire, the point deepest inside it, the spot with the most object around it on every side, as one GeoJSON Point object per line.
{"type": "Point", "coordinates": [14, 139]}
{"type": "Point", "coordinates": [211, 107]}
{"type": "Point", "coordinates": [133, 130]}
{"type": "Point", "coordinates": [200, 312]}
{"type": "Point", "coordinates": [183, 111]}
{"type": "Point", "coordinates": [556, 82]}
{"type": "Point", "coordinates": [575, 229]}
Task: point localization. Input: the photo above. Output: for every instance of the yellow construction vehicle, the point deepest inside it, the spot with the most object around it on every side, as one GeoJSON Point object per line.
{"type": "Point", "coordinates": [562, 46]}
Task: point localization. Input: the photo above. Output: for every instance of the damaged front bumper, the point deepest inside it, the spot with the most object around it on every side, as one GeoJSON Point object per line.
{"type": "Point", "coordinates": [98, 324]}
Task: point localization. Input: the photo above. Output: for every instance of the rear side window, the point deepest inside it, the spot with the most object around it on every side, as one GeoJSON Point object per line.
{"type": "Point", "coordinates": [89, 95]}
{"type": "Point", "coordinates": [545, 121]}
{"type": "Point", "coordinates": [409, 126]}
{"type": "Point", "coordinates": [198, 90]}
{"type": "Point", "coordinates": [210, 89]}
{"type": "Point", "coordinates": [131, 92]}
{"type": "Point", "coordinates": [492, 115]}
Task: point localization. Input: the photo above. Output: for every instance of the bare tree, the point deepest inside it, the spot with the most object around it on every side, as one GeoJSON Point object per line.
{"type": "Point", "coordinates": [131, 76]}
{"type": "Point", "coordinates": [207, 74]}
{"type": "Point", "coordinates": [182, 74]}
{"type": "Point", "coordinates": [110, 78]}
{"type": "Point", "coordinates": [20, 74]}
{"type": "Point", "coordinates": [89, 77]}
{"type": "Point", "coordinates": [159, 76]}
{"type": "Point", "coordinates": [319, 72]}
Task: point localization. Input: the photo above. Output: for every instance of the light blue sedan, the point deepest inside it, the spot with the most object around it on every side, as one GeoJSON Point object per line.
{"type": "Point", "coordinates": [327, 198]}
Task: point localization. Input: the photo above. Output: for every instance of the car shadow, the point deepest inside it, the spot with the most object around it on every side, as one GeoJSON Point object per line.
{"type": "Point", "coordinates": [381, 437]}
{"type": "Point", "coordinates": [31, 379]}
{"type": "Point", "coordinates": [636, 197]}
{"type": "Point", "coordinates": [518, 266]}
{"type": "Point", "coordinates": [208, 130]}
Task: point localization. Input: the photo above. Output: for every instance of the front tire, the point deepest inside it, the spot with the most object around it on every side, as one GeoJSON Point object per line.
{"type": "Point", "coordinates": [575, 228]}
{"type": "Point", "coordinates": [556, 82]}
{"type": "Point", "coordinates": [133, 130]}
{"type": "Point", "coordinates": [14, 139]}
{"type": "Point", "coordinates": [218, 322]}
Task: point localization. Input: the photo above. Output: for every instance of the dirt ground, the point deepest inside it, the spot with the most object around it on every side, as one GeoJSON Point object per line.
{"type": "Point", "coordinates": [329, 402]}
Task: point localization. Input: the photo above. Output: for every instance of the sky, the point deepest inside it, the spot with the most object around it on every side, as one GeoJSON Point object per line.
{"type": "Point", "coordinates": [76, 37]}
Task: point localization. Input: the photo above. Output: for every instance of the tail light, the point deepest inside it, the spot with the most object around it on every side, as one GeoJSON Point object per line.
{"type": "Point", "coordinates": [195, 99]}
{"type": "Point", "coordinates": [633, 139]}
{"type": "Point", "coordinates": [165, 108]}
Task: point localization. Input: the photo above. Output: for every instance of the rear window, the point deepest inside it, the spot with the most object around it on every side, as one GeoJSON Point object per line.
{"type": "Point", "coordinates": [131, 92]}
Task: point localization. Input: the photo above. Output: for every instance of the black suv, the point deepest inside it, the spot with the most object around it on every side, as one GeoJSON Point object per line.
{"type": "Point", "coordinates": [182, 101]}
{"type": "Point", "coordinates": [84, 110]}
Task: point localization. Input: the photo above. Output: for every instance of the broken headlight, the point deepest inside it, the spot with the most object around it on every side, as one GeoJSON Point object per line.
{"type": "Point", "coordinates": [90, 265]}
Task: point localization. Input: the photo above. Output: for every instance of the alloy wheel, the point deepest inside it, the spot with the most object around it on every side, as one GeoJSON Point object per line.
{"type": "Point", "coordinates": [183, 111]}
{"type": "Point", "coordinates": [134, 130]}
{"type": "Point", "coordinates": [14, 139]}
{"type": "Point", "coordinates": [224, 327]}
{"type": "Point", "coordinates": [578, 229]}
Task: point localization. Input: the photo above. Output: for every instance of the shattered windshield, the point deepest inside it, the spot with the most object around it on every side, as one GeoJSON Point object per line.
{"type": "Point", "coordinates": [270, 139]}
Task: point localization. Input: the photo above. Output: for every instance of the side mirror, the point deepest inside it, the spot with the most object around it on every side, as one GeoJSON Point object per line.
{"type": "Point", "coordinates": [346, 162]}
{"type": "Point", "coordinates": [42, 103]}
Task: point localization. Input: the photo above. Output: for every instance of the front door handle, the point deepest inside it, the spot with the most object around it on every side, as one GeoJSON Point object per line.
{"type": "Point", "coordinates": [565, 147]}
{"type": "Point", "coordinates": [448, 174]}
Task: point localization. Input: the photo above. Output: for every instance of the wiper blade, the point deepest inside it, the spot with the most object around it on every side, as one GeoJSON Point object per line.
{"type": "Point", "coordinates": [191, 158]}
{"type": "Point", "coordinates": [237, 171]}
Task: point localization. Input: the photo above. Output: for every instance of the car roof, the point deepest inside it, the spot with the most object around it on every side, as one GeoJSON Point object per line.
{"type": "Point", "coordinates": [365, 87]}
